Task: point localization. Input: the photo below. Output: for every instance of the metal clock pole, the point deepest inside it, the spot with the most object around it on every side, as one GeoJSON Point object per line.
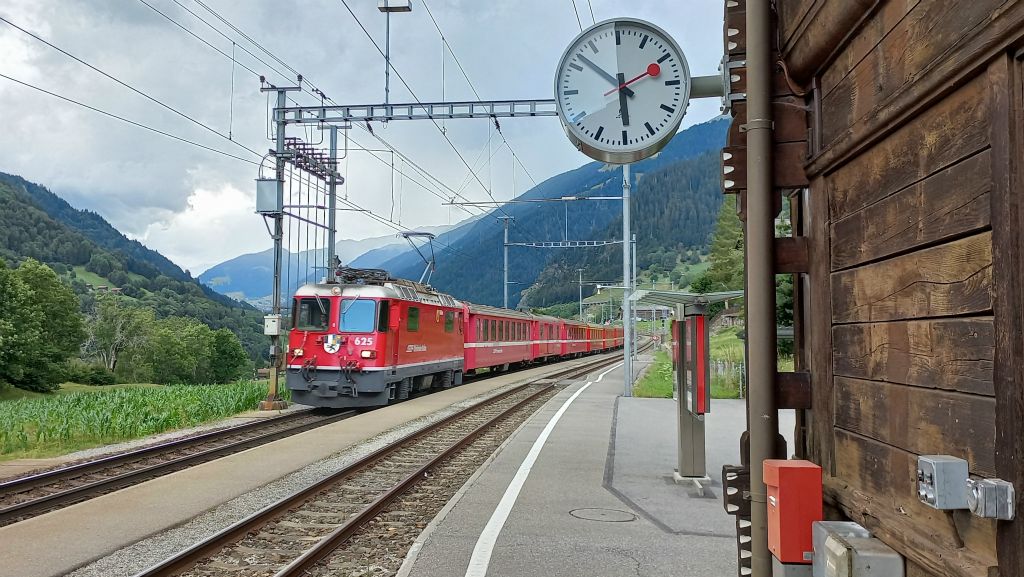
{"type": "Point", "coordinates": [627, 284]}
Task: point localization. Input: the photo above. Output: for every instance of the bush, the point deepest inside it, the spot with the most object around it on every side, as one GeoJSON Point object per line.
{"type": "Point", "coordinates": [89, 374]}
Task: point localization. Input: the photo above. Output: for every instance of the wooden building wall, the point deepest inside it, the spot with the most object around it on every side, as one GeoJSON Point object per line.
{"type": "Point", "coordinates": [911, 309]}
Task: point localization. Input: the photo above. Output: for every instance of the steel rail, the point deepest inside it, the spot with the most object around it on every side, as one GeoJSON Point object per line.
{"type": "Point", "coordinates": [204, 549]}
{"type": "Point", "coordinates": [80, 493]}
{"type": "Point", "coordinates": [328, 544]}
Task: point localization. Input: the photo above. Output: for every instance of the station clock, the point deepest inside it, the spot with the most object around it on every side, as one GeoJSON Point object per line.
{"type": "Point", "coordinates": [622, 88]}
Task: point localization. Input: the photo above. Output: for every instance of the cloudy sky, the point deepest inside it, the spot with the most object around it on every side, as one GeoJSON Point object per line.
{"type": "Point", "coordinates": [196, 206]}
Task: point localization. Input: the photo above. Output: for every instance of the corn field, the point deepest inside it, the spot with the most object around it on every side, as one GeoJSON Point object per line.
{"type": "Point", "coordinates": [74, 420]}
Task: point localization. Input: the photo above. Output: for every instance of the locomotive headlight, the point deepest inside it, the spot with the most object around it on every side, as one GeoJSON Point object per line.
{"type": "Point", "coordinates": [368, 354]}
{"type": "Point", "coordinates": [298, 352]}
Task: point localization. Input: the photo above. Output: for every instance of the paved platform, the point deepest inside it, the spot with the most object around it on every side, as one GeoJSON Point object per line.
{"type": "Point", "coordinates": [598, 501]}
{"type": "Point", "coordinates": [59, 542]}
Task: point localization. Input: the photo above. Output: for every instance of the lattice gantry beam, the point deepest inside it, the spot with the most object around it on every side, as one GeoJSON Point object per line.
{"type": "Point", "coordinates": [418, 111]}
{"type": "Point", "coordinates": [566, 243]}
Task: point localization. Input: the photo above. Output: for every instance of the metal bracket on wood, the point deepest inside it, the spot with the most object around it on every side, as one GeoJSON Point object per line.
{"type": "Point", "coordinates": [736, 500]}
{"type": "Point", "coordinates": [757, 124]}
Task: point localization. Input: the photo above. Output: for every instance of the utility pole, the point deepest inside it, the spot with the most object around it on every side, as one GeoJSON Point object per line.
{"type": "Point", "coordinates": [505, 220]}
{"type": "Point", "coordinates": [332, 202]}
{"type": "Point", "coordinates": [581, 292]}
{"type": "Point", "coordinates": [272, 325]}
{"type": "Point", "coordinates": [632, 284]}
{"type": "Point", "coordinates": [627, 309]}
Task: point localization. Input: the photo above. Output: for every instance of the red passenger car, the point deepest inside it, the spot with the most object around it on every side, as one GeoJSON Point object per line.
{"type": "Point", "coordinates": [497, 338]}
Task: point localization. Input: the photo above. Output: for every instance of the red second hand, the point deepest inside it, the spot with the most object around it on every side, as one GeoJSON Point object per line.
{"type": "Point", "coordinates": [653, 70]}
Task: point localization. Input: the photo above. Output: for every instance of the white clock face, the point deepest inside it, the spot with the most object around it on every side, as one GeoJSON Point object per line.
{"type": "Point", "coordinates": [622, 89]}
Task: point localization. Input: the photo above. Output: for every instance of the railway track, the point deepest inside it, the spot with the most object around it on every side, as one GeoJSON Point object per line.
{"type": "Point", "coordinates": [27, 497]}
{"type": "Point", "coordinates": [373, 508]}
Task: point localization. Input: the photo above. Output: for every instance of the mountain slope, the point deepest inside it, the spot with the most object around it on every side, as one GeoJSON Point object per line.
{"type": "Point", "coordinates": [471, 268]}
{"type": "Point", "coordinates": [29, 230]}
{"type": "Point", "coordinates": [249, 277]}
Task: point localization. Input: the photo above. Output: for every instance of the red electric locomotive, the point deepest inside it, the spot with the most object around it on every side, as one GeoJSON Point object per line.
{"type": "Point", "coordinates": [361, 345]}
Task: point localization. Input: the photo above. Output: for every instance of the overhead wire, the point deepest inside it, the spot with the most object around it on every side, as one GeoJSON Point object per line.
{"type": "Point", "coordinates": [578, 21]}
{"type": "Point", "coordinates": [471, 85]}
{"type": "Point", "coordinates": [317, 92]}
{"type": "Point", "coordinates": [417, 99]}
{"type": "Point", "coordinates": [130, 87]}
{"type": "Point", "coordinates": [416, 167]}
{"type": "Point", "coordinates": [129, 121]}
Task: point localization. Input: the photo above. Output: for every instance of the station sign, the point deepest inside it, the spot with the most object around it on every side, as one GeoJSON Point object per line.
{"type": "Point", "coordinates": [693, 363]}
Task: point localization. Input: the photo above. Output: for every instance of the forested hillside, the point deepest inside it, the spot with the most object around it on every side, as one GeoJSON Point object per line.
{"type": "Point", "coordinates": [87, 253]}
{"type": "Point", "coordinates": [673, 215]}
{"type": "Point", "coordinates": [679, 211]}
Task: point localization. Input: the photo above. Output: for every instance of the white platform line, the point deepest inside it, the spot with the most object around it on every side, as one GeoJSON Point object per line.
{"type": "Point", "coordinates": [481, 559]}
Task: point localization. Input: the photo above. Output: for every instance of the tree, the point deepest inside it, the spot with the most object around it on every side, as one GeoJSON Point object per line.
{"type": "Point", "coordinates": [179, 351]}
{"type": "Point", "coordinates": [20, 329]}
{"type": "Point", "coordinates": [40, 328]}
{"type": "Point", "coordinates": [116, 328]}
{"type": "Point", "coordinates": [227, 358]}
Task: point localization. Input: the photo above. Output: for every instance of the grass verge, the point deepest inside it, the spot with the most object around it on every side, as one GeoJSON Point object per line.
{"type": "Point", "coordinates": [657, 381]}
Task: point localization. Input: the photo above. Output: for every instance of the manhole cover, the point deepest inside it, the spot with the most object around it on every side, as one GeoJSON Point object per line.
{"type": "Point", "coordinates": [604, 515]}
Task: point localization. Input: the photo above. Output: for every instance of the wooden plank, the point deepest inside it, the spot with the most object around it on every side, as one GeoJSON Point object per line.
{"type": "Point", "coordinates": [949, 132]}
{"type": "Point", "coordinates": [954, 69]}
{"type": "Point", "coordinates": [818, 329]}
{"type": "Point", "coordinates": [950, 354]}
{"type": "Point", "coordinates": [874, 29]}
{"type": "Point", "coordinates": [794, 16]}
{"type": "Point", "coordinates": [808, 47]}
{"type": "Point", "coordinates": [876, 486]}
{"type": "Point", "coordinates": [928, 32]}
{"type": "Point", "coordinates": [793, 390]}
{"type": "Point", "coordinates": [1007, 85]}
{"type": "Point", "coordinates": [790, 255]}
{"type": "Point", "coordinates": [789, 117]}
{"type": "Point", "coordinates": [915, 570]}
{"type": "Point", "coordinates": [946, 280]}
{"type": "Point", "coordinates": [921, 421]}
{"type": "Point", "coordinates": [947, 204]}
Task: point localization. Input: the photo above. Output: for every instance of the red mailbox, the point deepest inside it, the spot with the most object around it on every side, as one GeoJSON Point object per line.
{"type": "Point", "coordinates": [794, 503]}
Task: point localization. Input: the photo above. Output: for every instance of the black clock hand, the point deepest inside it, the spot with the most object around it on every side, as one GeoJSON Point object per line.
{"type": "Point", "coordinates": [623, 103]}
{"type": "Point", "coordinates": [629, 91]}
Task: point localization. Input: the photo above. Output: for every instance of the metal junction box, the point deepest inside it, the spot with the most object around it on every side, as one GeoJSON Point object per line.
{"type": "Point", "coordinates": [272, 325]}
{"type": "Point", "coordinates": [860, 557]}
{"type": "Point", "coordinates": [821, 530]}
{"type": "Point", "coordinates": [942, 481]}
{"type": "Point", "coordinates": [267, 199]}
{"type": "Point", "coordinates": [794, 503]}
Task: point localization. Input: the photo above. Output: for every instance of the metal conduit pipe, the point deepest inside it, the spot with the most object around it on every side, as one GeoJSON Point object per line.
{"type": "Point", "coordinates": [762, 416]}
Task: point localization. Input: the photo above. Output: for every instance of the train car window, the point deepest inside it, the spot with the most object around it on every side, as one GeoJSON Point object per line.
{"type": "Point", "coordinates": [414, 319]}
{"type": "Point", "coordinates": [494, 330]}
{"type": "Point", "coordinates": [501, 331]}
{"type": "Point", "coordinates": [358, 315]}
{"type": "Point", "coordinates": [383, 317]}
{"type": "Point", "coordinates": [313, 314]}
{"type": "Point", "coordinates": [449, 321]}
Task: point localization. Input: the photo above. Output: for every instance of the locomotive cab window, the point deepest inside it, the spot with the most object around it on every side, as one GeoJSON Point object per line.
{"type": "Point", "coordinates": [449, 321]}
{"type": "Point", "coordinates": [358, 316]}
{"type": "Point", "coordinates": [414, 319]}
{"type": "Point", "coordinates": [384, 316]}
{"type": "Point", "coordinates": [311, 314]}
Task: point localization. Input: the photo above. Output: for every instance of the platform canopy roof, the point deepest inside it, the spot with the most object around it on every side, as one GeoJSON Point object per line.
{"type": "Point", "coordinates": [675, 298]}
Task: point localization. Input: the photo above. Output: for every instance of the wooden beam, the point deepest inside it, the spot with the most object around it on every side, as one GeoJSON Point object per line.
{"type": "Point", "coordinates": [1007, 85]}
{"type": "Point", "coordinates": [807, 51]}
{"type": "Point", "coordinates": [793, 390]}
{"type": "Point", "coordinates": [790, 255]}
{"type": "Point", "coordinates": [955, 67]}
